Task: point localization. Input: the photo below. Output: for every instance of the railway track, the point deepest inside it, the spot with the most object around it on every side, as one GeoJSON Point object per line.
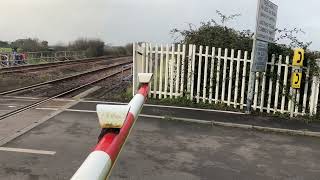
{"type": "Point", "coordinates": [43, 66]}
{"type": "Point", "coordinates": [65, 92]}
{"type": "Point", "coordinates": [62, 79]}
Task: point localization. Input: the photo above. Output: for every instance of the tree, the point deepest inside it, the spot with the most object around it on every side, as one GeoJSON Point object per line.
{"type": "Point", "coordinates": [92, 47]}
{"type": "Point", "coordinates": [216, 34]}
{"type": "Point", "coordinates": [44, 44]}
{"type": "Point", "coordinates": [30, 45]}
{"type": "Point", "coordinates": [118, 50]}
{"type": "Point", "coordinates": [4, 44]}
{"type": "Point", "coordinates": [59, 47]}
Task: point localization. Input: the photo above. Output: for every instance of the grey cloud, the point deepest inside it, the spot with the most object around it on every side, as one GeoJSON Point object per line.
{"type": "Point", "coordinates": [123, 21]}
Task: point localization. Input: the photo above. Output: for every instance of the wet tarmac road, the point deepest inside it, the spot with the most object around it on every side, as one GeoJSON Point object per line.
{"type": "Point", "coordinates": [156, 148]}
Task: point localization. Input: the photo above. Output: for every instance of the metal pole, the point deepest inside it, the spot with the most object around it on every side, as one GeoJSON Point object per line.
{"type": "Point", "coordinates": [293, 104]}
{"type": "Point", "coordinates": [251, 80]}
{"type": "Point", "coordinates": [252, 74]}
{"type": "Point", "coordinates": [134, 69]}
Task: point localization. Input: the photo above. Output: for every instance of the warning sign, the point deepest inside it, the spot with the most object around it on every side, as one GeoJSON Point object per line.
{"type": "Point", "coordinates": [261, 57]}
{"type": "Point", "coordinates": [266, 20]}
{"type": "Point", "coordinates": [298, 57]}
{"type": "Point", "coordinates": [296, 80]}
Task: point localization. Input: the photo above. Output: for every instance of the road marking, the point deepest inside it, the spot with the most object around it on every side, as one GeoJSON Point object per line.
{"type": "Point", "coordinates": [22, 98]}
{"type": "Point", "coordinates": [11, 99]}
{"type": "Point", "coordinates": [87, 92]}
{"type": "Point", "coordinates": [14, 105]}
{"type": "Point", "coordinates": [63, 99]}
{"type": "Point", "coordinates": [241, 126]}
{"type": "Point", "coordinates": [77, 110]}
{"type": "Point", "coordinates": [223, 124]}
{"type": "Point", "coordinates": [196, 109]}
{"type": "Point", "coordinates": [30, 151]}
{"type": "Point", "coordinates": [67, 110]}
{"type": "Point", "coordinates": [173, 107]}
{"type": "Point", "coordinates": [105, 102]}
{"type": "Point", "coordinates": [176, 118]}
{"type": "Point", "coordinates": [31, 126]}
{"type": "Point", "coordinates": [51, 109]}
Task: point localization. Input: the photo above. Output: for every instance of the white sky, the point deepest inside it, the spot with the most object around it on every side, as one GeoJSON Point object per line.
{"type": "Point", "coordinates": [123, 21]}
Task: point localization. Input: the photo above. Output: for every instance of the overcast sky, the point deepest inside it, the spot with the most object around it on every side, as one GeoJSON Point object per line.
{"type": "Point", "coordinates": [123, 21]}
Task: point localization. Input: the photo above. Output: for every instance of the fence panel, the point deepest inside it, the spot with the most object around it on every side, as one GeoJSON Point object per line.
{"type": "Point", "coordinates": [204, 92]}
{"type": "Point", "coordinates": [263, 90]}
{"type": "Point", "coordinates": [224, 75]}
{"type": "Point", "coordinates": [213, 74]}
{"type": "Point", "coordinates": [218, 76]}
{"type": "Point", "coordinates": [166, 72]}
{"type": "Point", "coordinates": [235, 98]}
{"type": "Point", "coordinates": [275, 106]}
{"type": "Point", "coordinates": [161, 72]}
{"type": "Point", "coordinates": [230, 78]}
{"type": "Point", "coordinates": [244, 75]}
{"type": "Point", "coordinates": [190, 56]}
{"type": "Point", "coordinates": [183, 62]}
{"type": "Point", "coordinates": [150, 67]}
{"type": "Point", "coordinates": [285, 81]}
{"type": "Point", "coordinates": [177, 79]}
{"type": "Point", "coordinates": [213, 50]}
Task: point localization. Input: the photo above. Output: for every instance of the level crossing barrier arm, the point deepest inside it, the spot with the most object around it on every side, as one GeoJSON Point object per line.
{"type": "Point", "coordinates": [116, 122]}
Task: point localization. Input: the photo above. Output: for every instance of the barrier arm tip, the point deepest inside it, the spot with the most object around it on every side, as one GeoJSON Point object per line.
{"type": "Point", "coordinates": [144, 78]}
{"type": "Point", "coordinates": [114, 116]}
{"type": "Point", "coordinates": [116, 122]}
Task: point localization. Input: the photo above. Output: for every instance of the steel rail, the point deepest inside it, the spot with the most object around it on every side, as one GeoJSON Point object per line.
{"type": "Point", "coordinates": [62, 79]}
{"type": "Point", "coordinates": [59, 95]}
{"type": "Point", "coordinates": [41, 66]}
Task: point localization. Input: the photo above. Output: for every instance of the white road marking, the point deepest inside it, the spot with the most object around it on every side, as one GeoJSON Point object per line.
{"type": "Point", "coordinates": [196, 109]}
{"type": "Point", "coordinates": [173, 107]}
{"type": "Point", "coordinates": [77, 110]}
{"type": "Point", "coordinates": [87, 92]}
{"type": "Point", "coordinates": [177, 118]}
{"type": "Point", "coordinates": [15, 105]}
{"type": "Point", "coordinates": [31, 126]}
{"type": "Point", "coordinates": [51, 109]}
{"type": "Point", "coordinates": [30, 100]}
{"type": "Point", "coordinates": [67, 110]}
{"type": "Point", "coordinates": [31, 151]}
{"type": "Point", "coordinates": [224, 124]}
{"type": "Point", "coordinates": [106, 102]}
{"type": "Point", "coordinates": [21, 98]}
{"type": "Point", "coordinates": [61, 99]}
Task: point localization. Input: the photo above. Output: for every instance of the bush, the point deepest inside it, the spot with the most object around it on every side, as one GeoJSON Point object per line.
{"type": "Point", "coordinates": [218, 35]}
{"type": "Point", "coordinates": [4, 44]}
{"type": "Point", "coordinates": [29, 45]}
{"type": "Point", "coordinates": [92, 47]}
{"type": "Point", "coordinates": [118, 50]}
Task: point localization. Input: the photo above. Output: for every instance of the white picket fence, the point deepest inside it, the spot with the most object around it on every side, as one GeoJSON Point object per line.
{"type": "Point", "coordinates": [216, 75]}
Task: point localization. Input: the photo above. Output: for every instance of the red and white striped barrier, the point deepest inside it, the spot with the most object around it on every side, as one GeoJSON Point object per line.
{"type": "Point", "coordinates": [99, 163]}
